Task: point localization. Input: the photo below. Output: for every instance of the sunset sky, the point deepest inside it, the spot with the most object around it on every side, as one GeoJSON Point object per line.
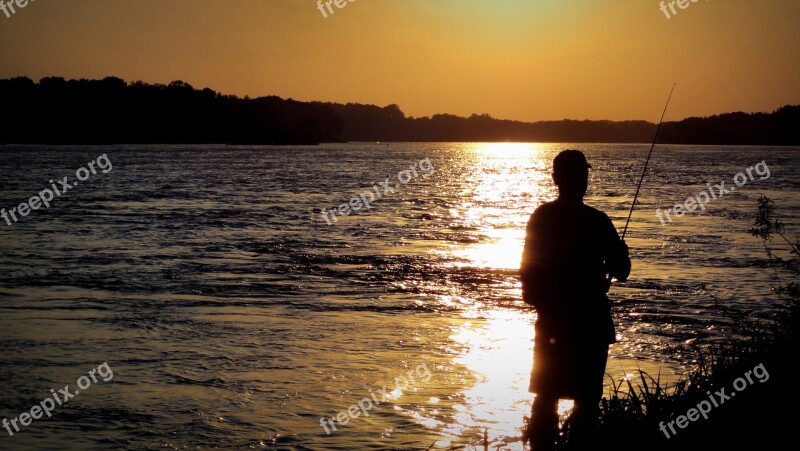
{"type": "Point", "coordinates": [515, 59]}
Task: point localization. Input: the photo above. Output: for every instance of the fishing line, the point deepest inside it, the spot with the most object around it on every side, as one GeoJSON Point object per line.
{"type": "Point", "coordinates": [647, 161]}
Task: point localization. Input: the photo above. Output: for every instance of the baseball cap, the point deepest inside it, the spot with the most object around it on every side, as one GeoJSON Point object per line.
{"type": "Point", "coordinates": [570, 161]}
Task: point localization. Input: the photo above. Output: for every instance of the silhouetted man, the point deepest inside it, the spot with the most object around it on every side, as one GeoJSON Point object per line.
{"type": "Point", "coordinates": [571, 252]}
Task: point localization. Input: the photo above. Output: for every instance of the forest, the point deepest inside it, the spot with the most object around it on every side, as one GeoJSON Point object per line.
{"type": "Point", "coordinates": [112, 111]}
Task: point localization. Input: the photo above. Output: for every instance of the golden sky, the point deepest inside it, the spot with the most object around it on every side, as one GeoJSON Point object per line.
{"type": "Point", "coordinates": [515, 59]}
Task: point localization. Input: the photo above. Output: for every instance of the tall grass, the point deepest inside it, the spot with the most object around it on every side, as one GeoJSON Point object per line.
{"type": "Point", "coordinates": [632, 415]}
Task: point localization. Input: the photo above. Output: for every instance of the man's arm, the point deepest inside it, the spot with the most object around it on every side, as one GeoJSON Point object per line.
{"type": "Point", "coordinates": [536, 280]}
{"type": "Point", "coordinates": [618, 262]}
{"type": "Point", "coordinates": [526, 269]}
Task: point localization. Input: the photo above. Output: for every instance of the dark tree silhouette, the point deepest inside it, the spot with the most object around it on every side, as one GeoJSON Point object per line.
{"type": "Point", "coordinates": [112, 111]}
{"type": "Point", "coordinates": [59, 111]}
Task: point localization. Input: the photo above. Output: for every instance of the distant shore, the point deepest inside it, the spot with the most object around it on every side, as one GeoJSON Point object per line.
{"type": "Point", "coordinates": [112, 110]}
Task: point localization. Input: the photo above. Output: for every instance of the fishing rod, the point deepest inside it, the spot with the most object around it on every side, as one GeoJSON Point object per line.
{"type": "Point", "coordinates": [647, 161]}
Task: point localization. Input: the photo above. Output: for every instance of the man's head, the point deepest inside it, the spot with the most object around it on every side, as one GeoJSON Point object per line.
{"type": "Point", "coordinates": [571, 174]}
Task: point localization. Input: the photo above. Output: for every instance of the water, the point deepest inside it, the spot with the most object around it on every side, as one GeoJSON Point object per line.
{"type": "Point", "coordinates": [234, 317]}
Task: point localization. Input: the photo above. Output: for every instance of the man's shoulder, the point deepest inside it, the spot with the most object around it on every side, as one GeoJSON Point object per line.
{"type": "Point", "coordinates": [555, 214]}
{"type": "Point", "coordinates": [545, 207]}
{"type": "Point", "coordinates": [545, 210]}
{"type": "Point", "coordinates": [553, 207]}
{"type": "Point", "coordinates": [595, 213]}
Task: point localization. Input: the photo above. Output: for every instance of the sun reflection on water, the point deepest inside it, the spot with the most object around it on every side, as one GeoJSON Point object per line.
{"type": "Point", "coordinates": [498, 349]}
{"type": "Point", "coordinates": [508, 181]}
{"type": "Point", "coordinates": [502, 250]}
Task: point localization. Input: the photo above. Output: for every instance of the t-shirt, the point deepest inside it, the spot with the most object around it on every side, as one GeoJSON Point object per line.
{"type": "Point", "coordinates": [570, 248]}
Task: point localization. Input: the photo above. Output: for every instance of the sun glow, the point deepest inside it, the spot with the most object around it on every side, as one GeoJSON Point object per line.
{"type": "Point", "coordinates": [505, 182]}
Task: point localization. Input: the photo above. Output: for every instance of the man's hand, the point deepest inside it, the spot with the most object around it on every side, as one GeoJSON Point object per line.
{"type": "Point", "coordinates": [619, 264]}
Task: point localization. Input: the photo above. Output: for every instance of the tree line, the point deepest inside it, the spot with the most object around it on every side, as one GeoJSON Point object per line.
{"type": "Point", "coordinates": [111, 111]}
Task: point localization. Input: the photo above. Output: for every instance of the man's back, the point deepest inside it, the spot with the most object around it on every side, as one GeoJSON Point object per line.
{"type": "Point", "coordinates": [569, 250]}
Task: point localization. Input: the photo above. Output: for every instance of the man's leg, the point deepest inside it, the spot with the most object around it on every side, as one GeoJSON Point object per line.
{"type": "Point", "coordinates": [543, 429]}
{"type": "Point", "coordinates": [583, 421]}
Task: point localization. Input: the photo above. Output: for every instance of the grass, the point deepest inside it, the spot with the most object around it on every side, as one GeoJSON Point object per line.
{"type": "Point", "coordinates": [762, 414]}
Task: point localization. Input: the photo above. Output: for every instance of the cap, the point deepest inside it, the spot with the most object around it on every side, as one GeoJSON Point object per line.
{"type": "Point", "coordinates": [570, 161]}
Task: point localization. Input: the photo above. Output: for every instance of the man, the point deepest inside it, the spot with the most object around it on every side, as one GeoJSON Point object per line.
{"type": "Point", "coordinates": [571, 253]}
